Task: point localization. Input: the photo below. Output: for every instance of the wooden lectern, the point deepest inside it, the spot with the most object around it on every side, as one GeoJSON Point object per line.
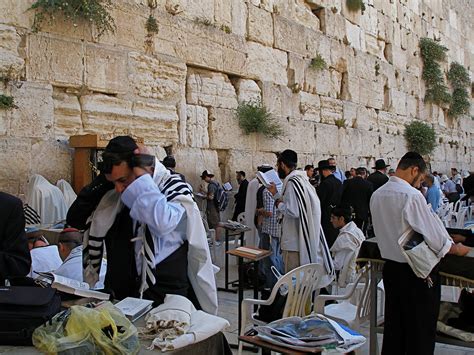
{"type": "Point", "coordinates": [87, 150]}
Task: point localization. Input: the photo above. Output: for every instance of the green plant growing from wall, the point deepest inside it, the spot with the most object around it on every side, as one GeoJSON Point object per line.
{"type": "Point", "coordinates": [94, 11]}
{"type": "Point", "coordinates": [225, 28]}
{"type": "Point", "coordinates": [340, 123]}
{"type": "Point", "coordinates": [420, 137]}
{"type": "Point", "coordinates": [318, 63]}
{"type": "Point", "coordinates": [151, 25]}
{"type": "Point", "coordinates": [459, 80]}
{"type": "Point", "coordinates": [436, 90]}
{"type": "Point", "coordinates": [254, 117]}
{"type": "Point", "coordinates": [6, 102]}
{"type": "Point", "coordinates": [355, 5]}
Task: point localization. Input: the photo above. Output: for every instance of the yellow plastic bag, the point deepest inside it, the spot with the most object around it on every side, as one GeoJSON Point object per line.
{"type": "Point", "coordinates": [81, 330]}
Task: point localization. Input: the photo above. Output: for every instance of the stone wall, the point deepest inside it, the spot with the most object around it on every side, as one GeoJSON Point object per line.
{"type": "Point", "coordinates": [178, 88]}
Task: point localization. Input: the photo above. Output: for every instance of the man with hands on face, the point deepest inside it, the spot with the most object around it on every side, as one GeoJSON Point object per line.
{"type": "Point", "coordinates": [156, 243]}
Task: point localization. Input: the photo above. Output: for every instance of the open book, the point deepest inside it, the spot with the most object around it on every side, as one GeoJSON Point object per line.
{"type": "Point", "coordinates": [268, 177]}
{"type": "Point", "coordinates": [71, 286]}
{"type": "Point", "coordinates": [134, 308]}
{"type": "Point", "coordinates": [227, 186]}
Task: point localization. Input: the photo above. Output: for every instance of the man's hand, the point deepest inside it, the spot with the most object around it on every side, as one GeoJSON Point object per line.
{"type": "Point", "coordinates": [459, 249]}
{"type": "Point", "coordinates": [272, 188]}
{"type": "Point", "coordinates": [139, 171]}
{"type": "Point", "coordinates": [458, 238]}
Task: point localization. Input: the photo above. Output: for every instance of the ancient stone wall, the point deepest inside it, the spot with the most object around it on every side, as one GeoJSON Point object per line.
{"type": "Point", "coordinates": [178, 88]}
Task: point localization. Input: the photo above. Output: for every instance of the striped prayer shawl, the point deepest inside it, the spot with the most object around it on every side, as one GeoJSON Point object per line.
{"type": "Point", "coordinates": [313, 245]}
{"type": "Point", "coordinates": [31, 216]}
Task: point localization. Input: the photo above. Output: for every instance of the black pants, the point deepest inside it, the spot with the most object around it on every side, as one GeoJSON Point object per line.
{"type": "Point", "coordinates": [411, 311]}
{"type": "Point", "coordinates": [171, 277]}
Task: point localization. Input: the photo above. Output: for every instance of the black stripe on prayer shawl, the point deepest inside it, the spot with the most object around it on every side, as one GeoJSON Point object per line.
{"type": "Point", "coordinates": [172, 181]}
{"type": "Point", "coordinates": [303, 214]}
{"type": "Point", "coordinates": [31, 216]}
{"type": "Point", "coordinates": [178, 193]}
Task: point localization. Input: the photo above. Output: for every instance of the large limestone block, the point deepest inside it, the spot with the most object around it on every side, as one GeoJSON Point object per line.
{"type": "Point", "coordinates": [58, 156]}
{"type": "Point", "coordinates": [332, 24]}
{"type": "Point", "coordinates": [33, 116]}
{"type": "Point", "coordinates": [4, 122]}
{"type": "Point", "coordinates": [239, 14]}
{"type": "Point", "coordinates": [286, 34]}
{"type": "Point", "coordinates": [15, 159]}
{"type": "Point", "coordinates": [157, 77]}
{"type": "Point", "coordinates": [298, 135]}
{"type": "Point", "coordinates": [156, 123]}
{"type": "Point", "coordinates": [11, 64]}
{"type": "Point", "coordinates": [310, 107]}
{"type": "Point", "coordinates": [197, 127]}
{"type": "Point", "coordinates": [366, 118]}
{"type": "Point", "coordinates": [205, 88]}
{"type": "Point", "coordinates": [354, 36]}
{"type": "Point", "coordinates": [193, 161]}
{"type": "Point", "coordinates": [331, 110]}
{"type": "Point", "coordinates": [58, 61]}
{"type": "Point", "coordinates": [325, 140]}
{"type": "Point", "coordinates": [225, 133]}
{"type": "Point", "coordinates": [368, 21]}
{"type": "Point", "coordinates": [247, 90]}
{"type": "Point", "coordinates": [280, 101]}
{"type": "Point", "coordinates": [223, 12]}
{"type": "Point", "coordinates": [296, 69]}
{"type": "Point", "coordinates": [67, 114]}
{"type": "Point", "coordinates": [266, 63]}
{"type": "Point", "coordinates": [399, 101]}
{"type": "Point", "coordinates": [234, 52]}
{"type": "Point", "coordinates": [16, 13]}
{"type": "Point", "coordinates": [349, 113]}
{"type": "Point", "coordinates": [260, 26]}
{"type": "Point", "coordinates": [105, 69]}
{"type": "Point", "coordinates": [318, 82]}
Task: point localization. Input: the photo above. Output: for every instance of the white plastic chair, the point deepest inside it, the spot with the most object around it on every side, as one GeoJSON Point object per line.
{"type": "Point", "coordinates": [211, 234]}
{"type": "Point", "coordinates": [301, 284]}
{"type": "Point", "coordinates": [345, 312]}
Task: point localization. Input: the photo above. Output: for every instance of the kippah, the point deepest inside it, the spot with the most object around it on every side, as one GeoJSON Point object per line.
{"type": "Point", "coordinates": [121, 144]}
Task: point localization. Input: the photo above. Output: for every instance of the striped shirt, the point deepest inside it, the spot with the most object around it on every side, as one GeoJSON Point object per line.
{"type": "Point", "coordinates": [269, 224]}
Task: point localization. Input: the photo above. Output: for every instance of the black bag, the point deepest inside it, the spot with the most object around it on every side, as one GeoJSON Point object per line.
{"type": "Point", "coordinates": [23, 309]}
{"type": "Point", "coordinates": [274, 311]}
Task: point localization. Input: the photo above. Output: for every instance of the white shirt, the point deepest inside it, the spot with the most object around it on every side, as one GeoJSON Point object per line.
{"type": "Point", "coordinates": [72, 268]}
{"type": "Point", "coordinates": [397, 207]}
{"type": "Point", "coordinates": [166, 220]}
{"type": "Point", "coordinates": [44, 259]}
{"type": "Point", "coordinates": [347, 244]}
{"type": "Point", "coordinates": [449, 186]}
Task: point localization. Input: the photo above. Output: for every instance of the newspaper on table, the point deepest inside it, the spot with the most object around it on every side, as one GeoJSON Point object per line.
{"type": "Point", "coordinates": [310, 334]}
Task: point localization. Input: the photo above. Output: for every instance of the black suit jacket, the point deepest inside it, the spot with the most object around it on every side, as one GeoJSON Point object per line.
{"type": "Point", "coordinates": [240, 198]}
{"type": "Point", "coordinates": [15, 259]}
{"type": "Point", "coordinates": [329, 193]}
{"type": "Point", "coordinates": [356, 192]}
{"type": "Point", "coordinates": [377, 179]}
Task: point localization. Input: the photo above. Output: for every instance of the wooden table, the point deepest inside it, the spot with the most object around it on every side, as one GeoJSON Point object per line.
{"type": "Point", "coordinates": [267, 348]}
{"type": "Point", "coordinates": [252, 258]}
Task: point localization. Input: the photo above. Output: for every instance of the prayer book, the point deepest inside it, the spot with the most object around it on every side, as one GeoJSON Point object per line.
{"type": "Point", "coordinates": [134, 308]}
{"type": "Point", "coordinates": [268, 177]}
{"type": "Point", "coordinates": [250, 250]}
{"type": "Point", "coordinates": [227, 186]}
{"type": "Point", "coordinates": [70, 286]}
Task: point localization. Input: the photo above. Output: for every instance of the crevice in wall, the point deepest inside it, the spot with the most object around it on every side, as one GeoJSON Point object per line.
{"type": "Point", "coordinates": [320, 13]}
{"type": "Point", "coordinates": [388, 53]}
{"type": "Point", "coordinates": [223, 163]}
{"type": "Point", "coordinates": [386, 97]}
{"type": "Point", "coordinates": [344, 93]}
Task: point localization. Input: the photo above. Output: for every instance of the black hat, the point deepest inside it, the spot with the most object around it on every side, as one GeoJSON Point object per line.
{"type": "Point", "coordinates": [169, 161]}
{"type": "Point", "coordinates": [289, 157]}
{"type": "Point", "coordinates": [206, 173]}
{"type": "Point", "coordinates": [380, 164]}
{"type": "Point", "coordinates": [264, 168]}
{"type": "Point", "coordinates": [121, 144]}
{"type": "Point", "coordinates": [324, 165]}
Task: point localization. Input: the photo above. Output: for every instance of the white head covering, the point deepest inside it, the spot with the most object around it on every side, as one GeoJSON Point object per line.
{"type": "Point", "coordinates": [69, 194]}
{"type": "Point", "coordinates": [46, 199]}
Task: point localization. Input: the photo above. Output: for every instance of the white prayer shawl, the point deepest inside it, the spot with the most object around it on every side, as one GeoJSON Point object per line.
{"type": "Point", "coordinates": [68, 193]}
{"type": "Point", "coordinates": [200, 269]}
{"type": "Point", "coordinates": [313, 246]}
{"type": "Point", "coordinates": [251, 236]}
{"type": "Point", "coordinates": [44, 259]}
{"type": "Point", "coordinates": [46, 199]}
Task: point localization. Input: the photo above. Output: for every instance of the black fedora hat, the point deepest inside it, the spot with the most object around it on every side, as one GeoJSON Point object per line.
{"type": "Point", "coordinates": [206, 173]}
{"type": "Point", "coordinates": [380, 164]}
{"type": "Point", "coordinates": [324, 165]}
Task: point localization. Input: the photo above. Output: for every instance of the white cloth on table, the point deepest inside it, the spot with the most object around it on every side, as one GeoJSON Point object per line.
{"type": "Point", "coordinates": [46, 199]}
{"type": "Point", "coordinates": [68, 193]}
{"type": "Point", "coordinates": [44, 259]}
{"type": "Point", "coordinates": [397, 207]}
{"type": "Point", "coordinates": [178, 324]}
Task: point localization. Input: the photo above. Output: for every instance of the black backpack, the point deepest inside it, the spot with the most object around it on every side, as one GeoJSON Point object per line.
{"type": "Point", "coordinates": [23, 309]}
{"type": "Point", "coordinates": [221, 199]}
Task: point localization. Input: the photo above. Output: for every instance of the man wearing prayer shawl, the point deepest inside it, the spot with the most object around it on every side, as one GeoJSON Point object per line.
{"type": "Point", "coordinates": [156, 242]}
{"type": "Point", "coordinates": [302, 240]}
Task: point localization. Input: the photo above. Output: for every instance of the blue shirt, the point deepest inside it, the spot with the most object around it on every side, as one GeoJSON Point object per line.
{"type": "Point", "coordinates": [340, 175]}
{"type": "Point", "coordinates": [166, 220]}
{"type": "Point", "coordinates": [433, 196]}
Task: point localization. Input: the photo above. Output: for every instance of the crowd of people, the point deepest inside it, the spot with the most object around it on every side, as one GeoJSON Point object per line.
{"type": "Point", "coordinates": [143, 215]}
